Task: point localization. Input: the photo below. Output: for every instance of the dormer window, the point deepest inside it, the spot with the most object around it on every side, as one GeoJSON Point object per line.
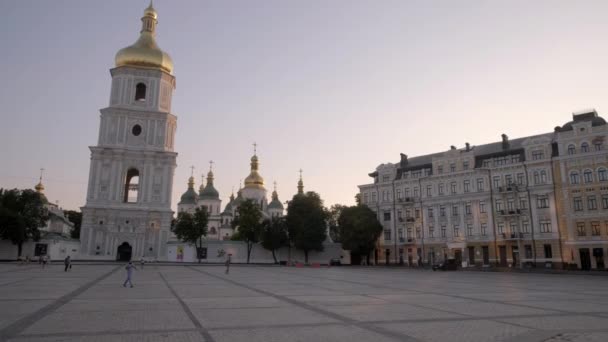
{"type": "Point", "coordinates": [140, 92]}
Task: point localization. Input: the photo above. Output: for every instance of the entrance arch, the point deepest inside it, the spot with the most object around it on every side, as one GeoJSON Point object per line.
{"type": "Point", "coordinates": [124, 252]}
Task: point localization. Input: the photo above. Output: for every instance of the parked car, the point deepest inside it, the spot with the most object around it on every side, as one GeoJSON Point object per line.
{"type": "Point", "coordinates": [335, 262]}
{"type": "Point", "coordinates": [447, 265]}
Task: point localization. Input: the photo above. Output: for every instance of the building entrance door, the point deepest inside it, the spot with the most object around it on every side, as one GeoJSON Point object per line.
{"type": "Point", "coordinates": [502, 252]}
{"type": "Point", "coordinates": [471, 256]}
{"type": "Point", "coordinates": [598, 253]}
{"type": "Point", "coordinates": [515, 252]}
{"type": "Point", "coordinates": [458, 257]}
{"type": "Point", "coordinates": [486, 255]}
{"type": "Point", "coordinates": [124, 252]}
{"type": "Point", "coordinates": [585, 259]}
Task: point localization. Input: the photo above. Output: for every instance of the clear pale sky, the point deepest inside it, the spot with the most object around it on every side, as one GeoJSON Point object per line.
{"type": "Point", "coordinates": [332, 87]}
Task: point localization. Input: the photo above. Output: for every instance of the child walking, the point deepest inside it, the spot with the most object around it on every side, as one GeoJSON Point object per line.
{"type": "Point", "coordinates": [130, 267]}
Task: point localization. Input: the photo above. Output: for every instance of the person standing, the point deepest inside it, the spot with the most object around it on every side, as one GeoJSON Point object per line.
{"type": "Point", "coordinates": [130, 267]}
{"type": "Point", "coordinates": [45, 259]}
{"type": "Point", "coordinates": [228, 263]}
{"type": "Point", "coordinates": [68, 263]}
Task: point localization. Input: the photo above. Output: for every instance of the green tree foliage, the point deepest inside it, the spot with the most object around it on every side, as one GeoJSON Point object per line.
{"type": "Point", "coordinates": [359, 229]}
{"type": "Point", "coordinates": [306, 222]}
{"type": "Point", "coordinates": [22, 214]}
{"type": "Point", "coordinates": [248, 224]}
{"type": "Point", "coordinates": [76, 218]}
{"type": "Point", "coordinates": [192, 227]}
{"type": "Point", "coordinates": [333, 215]}
{"type": "Point", "coordinates": [274, 235]}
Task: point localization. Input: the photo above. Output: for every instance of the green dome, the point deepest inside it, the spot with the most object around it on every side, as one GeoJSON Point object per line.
{"type": "Point", "coordinates": [189, 197]}
{"type": "Point", "coordinates": [275, 204]}
{"type": "Point", "coordinates": [209, 192]}
{"type": "Point", "coordinates": [228, 209]}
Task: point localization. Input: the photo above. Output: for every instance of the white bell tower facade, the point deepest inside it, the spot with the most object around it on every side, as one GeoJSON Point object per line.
{"type": "Point", "coordinates": [128, 213]}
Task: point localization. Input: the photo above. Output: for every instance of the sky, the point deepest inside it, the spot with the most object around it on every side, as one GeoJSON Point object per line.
{"type": "Point", "coordinates": [332, 87]}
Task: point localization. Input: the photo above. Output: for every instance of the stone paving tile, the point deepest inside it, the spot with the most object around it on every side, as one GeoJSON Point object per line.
{"type": "Point", "coordinates": [372, 313]}
{"type": "Point", "coordinates": [420, 298]}
{"type": "Point", "coordinates": [224, 290]}
{"type": "Point", "coordinates": [580, 337]}
{"type": "Point", "coordinates": [134, 337]}
{"type": "Point", "coordinates": [234, 302]}
{"type": "Point", "coordinates": [84, 305]}
{"type": "Point", "coordinates": [456, 331]}
{"type": "Point", "coordinates": [339, 300]}
{"type": "Point", "coordinates": [482, 309]}
{"type": "Point", "coordinates": [573, 322]}
{"type": "Point", "coordinates": [251, 317]}
{"type": "Point", "coordinates": [326, 333]}
{"type": "Point", "coordinates": [566, 305]}
{"type": "Point", "coordinates": [110, 321]}
{"type": "Point", "coordinates": [117, 291]}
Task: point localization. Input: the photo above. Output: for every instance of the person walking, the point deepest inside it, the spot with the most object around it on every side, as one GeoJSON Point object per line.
{"type": "Point", "coordinates": [68, 263]}
{"type": "Point", "coordinates": [228, 263]}
{"type": "Point", "coordinates": [130, 267]}
{"type": "Point", "coordinates": [45, 259]}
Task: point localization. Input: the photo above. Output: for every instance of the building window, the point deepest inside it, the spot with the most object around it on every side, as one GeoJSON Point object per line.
{"type": "Point", "coordinates": [536, 177]}
{"type": "Point", "coordinates": [548, 252]}
{"type": "Point", "coordinates": [373, 197]}
{"type": "Point", "coordinates": [545, 226]}
{"type": "Point", "coordinates": [140, 92]}
{"type": "Point", "coordinates": [407, 192]}
{"type": "Point", "coordinates": [525, 227]}
{"type": "Point", "coordinates": [595, 228]}
{"type": "Point", "coordinates": [528, 249]}
{"type": "Point", "coordinates": [466, 185]}
{"type": "Point", "coordinates": [431, 231]}
{"type": "Point", "coordinates": [479, 184]}
{"type": "Point", "coordinates": [500, 228]}
{"type": "Point", "coordinates": [385, 178]}
{"type": "Point", "coordinates": [543, 177]}
{"type": "Point", "coordinates": [430, 211]}
{"type": "Point", "coordinates": [400, 232]}
{"type": "Point", "coordinates": [387, 216]}
{"type": "Point", "coordinates": [542, 202]}
{"type": "Point", "coordinates": [584, 147]}
{"type": "Point", "coordinates": [415, 192]}
{"type": "Point", "coordinates": [443, 229]}
{"type": "Point", "coordinates": [482, 207]}
{"type": "Point", "coordinates": [605, 201]}
{"type": "Point", "coordinates": [387, 234]}
{"type": "Point", "coordinates": [602, 175]}
{"type": "Point", "coordinates": [408, 213]}
{"type": "Point", "coordinates": [496, 181]}
{"type": "Point", "coordinates": [578, 204]}
{"type": "Point", "coordinates": [453, 188]}
{"type": "Point", "coordinates": [456, 231]}
{"type": "Point", "coordinates": [498, 205]}
{"type": "Point", "coordinates": [439, 169]}
{"type": "Point", "coordinates": [514, 228]}
{"type": "Point", "coordinates": [418, 233]}
{"type": "Point", "coordinates": [440, 189]}
{"type": "Point", "coordinates": [452, 167]}
{"type": "Point", "coordinates": [429, 190]}
{"type": "Point", "coordinates": [591, 203]}
{"type": "Point", "coordinates": [469, 229]}
{"type": "Point", "coordinates": [454, 210]}
{"type": "Point", "coordinates": [588, 176]}
{"type": "Point", "coordinates": [520, 178]}
{"type": "Point", "coordinates": [523, 203]}
{"type": "Point", "coordinates": [131, 190]}
{"type": "Point", "coordinates": [580, 229]}
{"type": "Point", "coordinates": [484, 229]}
{"type": "Point", "coordinates": [365, 198]}
{"type": "Point", "coordinates": [465, 165]}
{"type": "Point", "coordinates": [571, 150]}
{"type": "Point", "coordinates": [399, 194]}
{"type": "Point", "coordinates": [467, 208]}
{"type": "Point", "coordinates": [509, 180]}
{"type": "Point", "coordinates": [417, 213]}
{"type": "Point", "coordinates": [442, 211]}
{"type": "Point", "coordinates": [598, 144]}
{"type": "Point", "coordinates": [510, 204]}
{"type": "Point", "coordinates": [537, 155]}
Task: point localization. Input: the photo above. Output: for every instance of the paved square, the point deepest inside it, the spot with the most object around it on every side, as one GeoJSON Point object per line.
{"type": "Point", "coordinates": [267, 303]}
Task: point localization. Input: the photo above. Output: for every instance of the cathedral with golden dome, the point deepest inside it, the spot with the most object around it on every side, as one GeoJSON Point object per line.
{"type": "Point", "coordinates": [220, 221]}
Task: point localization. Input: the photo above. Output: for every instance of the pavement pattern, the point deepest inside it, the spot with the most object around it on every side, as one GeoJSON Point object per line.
{"type": "Point", "coordinates": [269, 303]}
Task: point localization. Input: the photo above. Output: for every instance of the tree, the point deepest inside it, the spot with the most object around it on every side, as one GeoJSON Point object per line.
{"type": "Point", "coordinates": [359, 229]}
{"type": "Point", "coordinates": [192, 227]}
{"type": "Point", "coordinates": [274, 235]}
{"type": "Point", "coordinates": [248, 222]}
{"type": "Point", "coordinates": [76, 218]}
{"type": "Point", "coordinates": [306, 222]}
{"type": "Point", "coordinates": [333, 214]}
{"type": "Point", "coordinates": [22, 214]}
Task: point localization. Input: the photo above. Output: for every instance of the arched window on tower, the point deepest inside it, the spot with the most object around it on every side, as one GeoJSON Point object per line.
{"type": "Point", "coordinates": [140, 92]}
{"type": "Point", "coordinates": [131, 186]}
{"type": "Point", "coordinates": [571, 149]}
{"type": "Point", "coordinates": [584, 147]}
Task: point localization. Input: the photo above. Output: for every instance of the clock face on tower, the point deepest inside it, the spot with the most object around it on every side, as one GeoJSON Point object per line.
{"type": "Point", "coordinates": [136, 130]}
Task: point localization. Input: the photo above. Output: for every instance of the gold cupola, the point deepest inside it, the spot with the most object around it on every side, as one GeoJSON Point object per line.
{"type": "Point", "coordinates": [145, 53]}
{"type": "Point", "coordinates": [254, 180]}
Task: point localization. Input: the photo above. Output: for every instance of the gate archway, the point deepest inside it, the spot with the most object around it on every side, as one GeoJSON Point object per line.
{"type": "Point", "coordinates": [124, 252]}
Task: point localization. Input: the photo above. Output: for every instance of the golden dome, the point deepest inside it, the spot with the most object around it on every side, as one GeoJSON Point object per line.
{"type": "Point", "coordinates": [39, 187]}
{"type": "Point", "coordinates": [145, 52]}
{"type": "Point", "coordinates": [254, 180]}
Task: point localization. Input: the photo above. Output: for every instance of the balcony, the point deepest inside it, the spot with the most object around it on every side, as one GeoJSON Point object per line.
{"type": "Point", "coordinates": [511, 212]}
{"type": "Point", "coordinates": [410, 219]}
{"type": "Point", "coordinates": [406, 200]}
{"type": "Point", "coordinates": [508, 188]}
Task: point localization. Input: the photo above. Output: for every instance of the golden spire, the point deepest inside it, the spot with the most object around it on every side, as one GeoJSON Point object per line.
{"type": "Point", "coordinates": [254, 180]}
{"type": "Point", "coordinates": [40, 187]}
{"type": "Point", "coordinates": [275, 195]}
{"type": "Point", "coordinates": [191, 179]}
{"type": "Point", "coordinates": [210, 173]}
{"type": "Point", "coordinates": [145, 52]}
{"type": "Point", "coordinates": [300, 184]}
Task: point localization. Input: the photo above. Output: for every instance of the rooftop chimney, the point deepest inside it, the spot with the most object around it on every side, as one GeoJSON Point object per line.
{"type": "Point", "coordinates": [403, 159]}
{"type": "Point", "coordinates": [505, 141]}
{"type": "Point", "coordinates": [467, 147]}
{"type": "Point", "coordinates": [453, 147]}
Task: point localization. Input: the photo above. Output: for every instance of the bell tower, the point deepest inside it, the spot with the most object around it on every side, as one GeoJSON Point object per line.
{"type": "Point", "coordinates": [128, 205]}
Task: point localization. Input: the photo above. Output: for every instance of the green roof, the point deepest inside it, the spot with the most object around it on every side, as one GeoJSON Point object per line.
{"type": "Point", "coordinates": [189, 197]}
